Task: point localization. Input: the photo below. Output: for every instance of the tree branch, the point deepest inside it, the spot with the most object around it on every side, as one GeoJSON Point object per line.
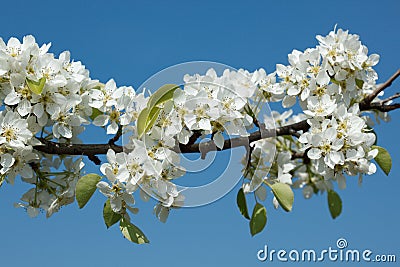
{"type": "Point", "coordinates": [384, 108]}
{"type": "Point", "coordinates": [396, 95]}
{"type": "Point", "coordinates": [91, 150]}
{"type": "Point", "coordinates": [116, 136]}
{"type": "Point", "coordinates": [369, 98]}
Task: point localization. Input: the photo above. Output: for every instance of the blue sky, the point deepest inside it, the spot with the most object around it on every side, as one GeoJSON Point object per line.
{"type": "Point", "coordinates": [132, 41]}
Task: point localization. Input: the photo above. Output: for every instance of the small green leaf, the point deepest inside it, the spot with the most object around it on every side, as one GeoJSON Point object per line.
{"type": "Point", "coordinates": [36, 86]}
{"type": "Point", "coordinates": [383, 159]}
{"type": "Point", "coordinates": [131, 232]}
{"type": "Point", "coordinates": [146, 120]}
{"type": "Point", "coordinates": [110, 217]}
{"type": "Point", "coordinates": [284, 195]}
{"type": "Point", "coordinates": [359, 83]}
{"type": "Point", "coordinates": [334, 203]}
{"type": "Point", "coordinates": [258, 219]}
{"type": "Point", "coordinates": [95, 112]}
{"type": "Point", "coordinates": [151, 119]}
{"type": "Point", "coordinates": [149, 115]}
{"type": "Point", "coordinates": [141, 121]}
{"type": "Point", "coordinates": [241, 202]}
{"type": "Point", "coordinates": [85, 188]}
{"type": "Point", "coordinates": [163, 94]}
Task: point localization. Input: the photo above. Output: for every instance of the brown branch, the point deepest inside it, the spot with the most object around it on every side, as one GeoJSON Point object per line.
{"type": "Point", "coordinates": [396, 95]}
{"type": "Point", "coordinates": [194, 137]}
{"type": "Point", "coordinates": [91, 150]}
{"type": "Point", "coordinates": [95, 159]}
{"type": "Point", "coordinates": [246, 140]}
{"type": "Point", "coordinates": [116, 136]}
{"type": "Point", "coordinates": [384, 108]}
{"type": "Point", "coordinates": [369, 98]}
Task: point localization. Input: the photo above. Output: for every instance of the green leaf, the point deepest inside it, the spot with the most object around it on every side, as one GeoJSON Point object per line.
{"type": "Point", "coordinates": [258, 219]}
{"type": "Point", "coordinates": [36, 86]}
{"type": "Point", "coordinates": [110, 217]}
{"type": "Point", "coordinates": [141, 121]}
{"type": "Point", "coordinates": [383, 159]}
{"type": "Point", "coordinates": [131, 232]}
{"type": "Point", "coordinates": [359, 83]}
{"type": "Point", "coordinates": [146, 120]}
{"type": "Point", "coordinates": [334, 203]}
{"type": "Point", "coordinates": [149, 115]}
{"type": "Point", "coordinates": [284, 195]}
{"type": "Point", "coordinates": [241, 202]}
{"type": "Point", "coordinates": [163, 94]}
{"type": "Point", "coordinates": [85, 188]}
{"type": "Point", "coordinates": [151, 119]}
{"type": "Point", "coordinates": [95, 112]}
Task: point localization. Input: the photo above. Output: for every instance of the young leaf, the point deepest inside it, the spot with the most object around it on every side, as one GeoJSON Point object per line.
{"type": "Point", "coordinates": [148, 115]}
{"type": "Point", "coordinates": [383, 159]}
{"type": "Point", "coordinates": [241, 202]}
{"type": "Point", "coordinates": [258, 219]}
{"type": "Point", "coordinates": [334, 203]}
{"type": "Point", "coordinates": [146, 120]}
{"type": "Point", "coordinates": [359, 83]}
{"type": "Point", "coordinates": [110, 217]}
{"type": "Point", "coordinates": [131, 232]}
{"type": "Point", "coordinates": [152, 117]}
{"type": "Point", "coordinates": [85, 188]}
{"type": "Point", "coordinates": [141, 121]}
{"type": "Point", "coordinates": [36, 86]}
{"type": "Point", "coordinates": [163, 94]}
{"type": "Point", "coordinates": [284, 195]}
{"type": "Point", "coordinates": [95, 113]}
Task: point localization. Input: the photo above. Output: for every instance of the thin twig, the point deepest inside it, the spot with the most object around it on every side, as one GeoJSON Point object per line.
{"type": "Point", "coordinates": [384, 108]}
{"type": "Point", "coordinates": [396, 95]}
{"type": "Point", "coordinates": [368, 99]}
{"type": "Point", "coordinates": [249, 152]}
{"type": "Point", "coordinates": [116, 136]}
{"type": "Point", "coordinates": [95, 159]}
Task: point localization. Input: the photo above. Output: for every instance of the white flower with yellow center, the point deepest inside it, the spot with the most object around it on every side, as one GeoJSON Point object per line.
{"type": "Point", "coordinates": [13, 130]}
{"type": "Point", "coordinates": [320, 106]}
{"type": "Point", "coordinates": [118, 194]}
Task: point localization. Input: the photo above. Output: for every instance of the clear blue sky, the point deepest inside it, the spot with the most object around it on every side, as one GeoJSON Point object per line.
{"type": "Point", "coordinates": [130, 42]}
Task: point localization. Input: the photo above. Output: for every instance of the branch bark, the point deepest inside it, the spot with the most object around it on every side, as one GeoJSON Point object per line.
{"type": "Point", "coordinates": [91, 150]}
{"type": "Point", "coordinates": [50, 147]}
{"type": "Point", "coordinates": [369, 98]}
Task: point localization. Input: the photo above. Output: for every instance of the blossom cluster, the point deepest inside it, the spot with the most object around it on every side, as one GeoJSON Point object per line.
{"type": "Point", "coordinates": [329, 81]}
{"type": "Point", "coordinates": [52, 99]}
{"type": "Point", "coordinates": [49, 98]}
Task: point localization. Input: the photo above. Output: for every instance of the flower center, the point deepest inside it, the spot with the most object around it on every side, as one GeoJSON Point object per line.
{"type": "Point", "coordinates": [9, 134]}
{"type": "Point", "coordinates": [114, 116]}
